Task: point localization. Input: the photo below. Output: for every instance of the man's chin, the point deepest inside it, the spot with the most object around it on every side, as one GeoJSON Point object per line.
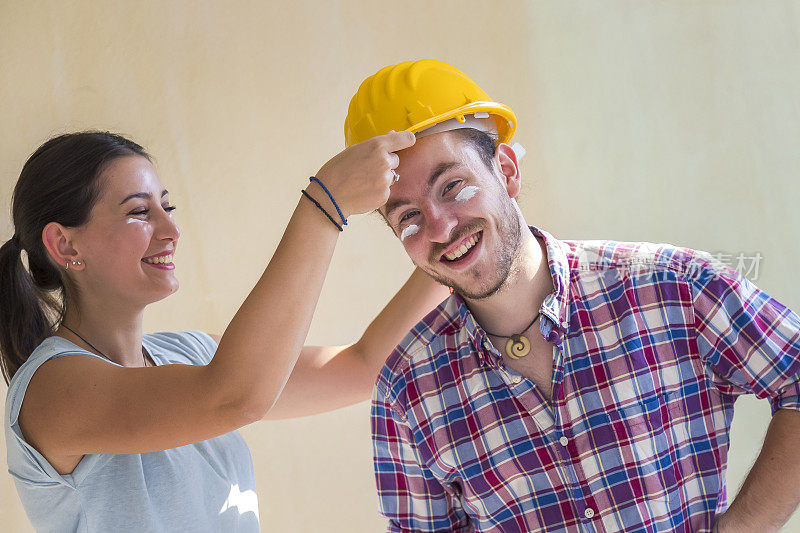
{"type": "Point", "coordinates": [475, 289]}
{"type": "Point", "coordinates": [478, 293]}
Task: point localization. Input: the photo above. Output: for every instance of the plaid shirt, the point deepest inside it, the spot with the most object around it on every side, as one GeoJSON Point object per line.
{"type": "Point", "coordinates": [652, 344]}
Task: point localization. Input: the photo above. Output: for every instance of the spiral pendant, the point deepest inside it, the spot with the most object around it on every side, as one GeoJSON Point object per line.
{"type": "Point", "coordinates": [518, 346]}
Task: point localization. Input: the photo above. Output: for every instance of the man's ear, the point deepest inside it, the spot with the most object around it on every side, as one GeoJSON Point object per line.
{"type": "Point", "coordinates": [506, 160]}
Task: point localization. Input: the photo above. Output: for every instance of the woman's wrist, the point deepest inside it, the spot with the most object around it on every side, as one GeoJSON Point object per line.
{"type": "Point", "coordinates": [315, 210]}
{"type": "Point", "coordinates": [328, 200]}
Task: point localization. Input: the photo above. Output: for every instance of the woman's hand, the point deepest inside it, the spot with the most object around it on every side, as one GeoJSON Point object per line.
{"type": "Point", "coordinates": [359, 176]}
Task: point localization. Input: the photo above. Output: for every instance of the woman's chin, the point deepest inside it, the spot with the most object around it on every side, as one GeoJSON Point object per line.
{"type": "Point", "coordinates": [166, 291]}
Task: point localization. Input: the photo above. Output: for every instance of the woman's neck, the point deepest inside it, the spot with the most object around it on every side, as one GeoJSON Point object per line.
{"type": "Point", "coordinates": [117, 336]}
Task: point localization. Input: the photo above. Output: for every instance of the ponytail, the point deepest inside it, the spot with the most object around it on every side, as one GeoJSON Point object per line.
{"type": "Point", "coordinates": [24, 309]}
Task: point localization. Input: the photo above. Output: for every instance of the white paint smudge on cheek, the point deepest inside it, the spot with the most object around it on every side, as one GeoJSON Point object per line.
{"type": "Point", "coordinates": [466, 193]}
{"type": "Point", "coordinates": [409, 231]}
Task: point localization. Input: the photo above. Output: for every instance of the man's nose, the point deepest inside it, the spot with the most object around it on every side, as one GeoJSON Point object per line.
{"type": "Point", "coordinates": [440, 224]}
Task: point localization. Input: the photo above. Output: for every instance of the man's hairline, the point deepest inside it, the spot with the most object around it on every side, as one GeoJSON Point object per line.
{"type": "Point", "coordinates": [462, 140]}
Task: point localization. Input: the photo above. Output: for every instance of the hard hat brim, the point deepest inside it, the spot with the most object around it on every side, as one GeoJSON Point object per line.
{"type": "Point", "coordinates": [504, 117]}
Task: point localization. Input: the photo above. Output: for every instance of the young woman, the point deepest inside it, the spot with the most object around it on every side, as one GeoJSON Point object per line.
{"type": "Point", "coordinates": [110, 429]}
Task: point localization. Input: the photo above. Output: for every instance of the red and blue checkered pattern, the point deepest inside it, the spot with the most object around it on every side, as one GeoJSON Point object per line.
{"type": "Point", "coordinates": [652, 344]}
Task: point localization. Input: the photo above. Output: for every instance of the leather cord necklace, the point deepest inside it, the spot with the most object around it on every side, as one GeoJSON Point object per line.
{"type": "Point", "coordinates": [98, 351]}
{"type": "Point", "coordinates": [518, 344]}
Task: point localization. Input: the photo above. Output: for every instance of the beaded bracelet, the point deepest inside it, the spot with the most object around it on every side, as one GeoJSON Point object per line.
{"type": "Point", "coordinates": [316, 203]}
{"type": "Point", "coordinates": [324, 188]}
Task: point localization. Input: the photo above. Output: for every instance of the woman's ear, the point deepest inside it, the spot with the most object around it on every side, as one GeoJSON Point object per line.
{"type": "Point", "coordinates": [58, 244]}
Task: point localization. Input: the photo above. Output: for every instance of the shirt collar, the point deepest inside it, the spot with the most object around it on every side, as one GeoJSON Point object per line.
{"type": "Point", "coordinates": [555, 305]}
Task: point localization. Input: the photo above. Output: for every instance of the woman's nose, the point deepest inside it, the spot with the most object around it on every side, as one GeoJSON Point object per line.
{"type": "Point", "coordinates": [168, 228]}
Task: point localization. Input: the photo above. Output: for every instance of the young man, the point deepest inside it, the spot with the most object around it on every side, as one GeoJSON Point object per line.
{"type": "Point", "coordinates": [565, 385]}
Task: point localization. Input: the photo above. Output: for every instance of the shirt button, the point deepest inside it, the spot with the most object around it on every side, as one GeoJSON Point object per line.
{"type": "Point", "coordinates": [516, 379]}
{"type": "Point", "coordinates": [564, 441]}
{"type": "Point", "coordinates": [564, 324]}
{"type": "Point", "coordinates": [589, 512]}
{"type": "Point", "coordinates": [487, 346]}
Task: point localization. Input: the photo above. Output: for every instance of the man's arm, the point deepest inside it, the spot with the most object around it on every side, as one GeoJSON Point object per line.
{"type": "Point", "coordinates": [411, 498]}
{"type": "Point", "coordinates": [750, 343]}
{"type": "Point", "coordinates": [770, 492]}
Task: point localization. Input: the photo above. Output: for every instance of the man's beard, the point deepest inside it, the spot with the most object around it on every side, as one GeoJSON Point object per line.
{"type": "Point", "coordinates": [510, 239]}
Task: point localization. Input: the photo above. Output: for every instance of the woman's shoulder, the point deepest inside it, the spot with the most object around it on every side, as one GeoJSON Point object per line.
{"type": "Point", "coordinates": [188, 347]}
{"type": "Point", "coordinates": [193, 347]}
{"type": "Point", "coordinates": [50, 348]}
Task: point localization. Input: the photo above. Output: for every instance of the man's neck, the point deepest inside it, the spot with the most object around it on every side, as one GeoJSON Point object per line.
{"type": "Point", "coordinates": [516, 303]}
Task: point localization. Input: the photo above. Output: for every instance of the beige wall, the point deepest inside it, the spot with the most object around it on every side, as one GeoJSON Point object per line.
{"type": "Point", "coordinates": [665, 121]}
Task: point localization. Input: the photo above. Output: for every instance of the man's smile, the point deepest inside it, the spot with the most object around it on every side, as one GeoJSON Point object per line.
{"type": "Point", "coordinates": [463, 253]}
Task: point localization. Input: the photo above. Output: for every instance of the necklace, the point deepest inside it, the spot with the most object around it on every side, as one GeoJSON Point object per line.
{"type": "Point", "coordinates": [518, 344]}
{"type": "Point", "coordinates": [95, 349]}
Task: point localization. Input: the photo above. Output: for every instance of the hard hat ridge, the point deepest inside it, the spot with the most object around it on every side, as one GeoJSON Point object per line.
{"type": "Point", "coordinates": [416, 95]}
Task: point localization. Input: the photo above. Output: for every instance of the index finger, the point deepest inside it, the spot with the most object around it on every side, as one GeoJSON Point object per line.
{"type": "Point", "coordinates": [399, 140]}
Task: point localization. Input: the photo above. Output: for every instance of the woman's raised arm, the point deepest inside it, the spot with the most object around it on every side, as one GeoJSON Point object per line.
{"type": "Point", "coordinates": [80, 405]}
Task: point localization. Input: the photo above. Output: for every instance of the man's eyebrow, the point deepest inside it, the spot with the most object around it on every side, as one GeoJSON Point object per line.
{"type": "Point", "coordinates": [145, 195]}
{"type": "Point", "coordinates": [437, 171]}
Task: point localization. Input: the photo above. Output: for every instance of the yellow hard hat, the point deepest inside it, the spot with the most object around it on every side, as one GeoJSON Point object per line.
{"type": "Point", "coordinates": [416, 95]}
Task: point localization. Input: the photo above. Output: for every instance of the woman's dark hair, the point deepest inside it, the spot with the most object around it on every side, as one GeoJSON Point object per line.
{"type": "Point", "coordinates": [60, 183]}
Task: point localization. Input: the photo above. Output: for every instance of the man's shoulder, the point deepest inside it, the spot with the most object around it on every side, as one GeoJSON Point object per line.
{"type": "Point", "coordinates": [609, 254]}
{"type": "Point", "coordinates": [423, 340]}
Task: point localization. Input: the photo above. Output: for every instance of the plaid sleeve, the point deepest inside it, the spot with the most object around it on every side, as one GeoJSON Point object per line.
{"type": "Point", "coordinates": [748, 341]}
{"type": "Point", "coordinates": [410, 496]}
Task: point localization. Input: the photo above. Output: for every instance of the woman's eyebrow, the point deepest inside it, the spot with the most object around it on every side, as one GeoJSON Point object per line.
{"type": "Point", "coordinates": [145, 195]}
